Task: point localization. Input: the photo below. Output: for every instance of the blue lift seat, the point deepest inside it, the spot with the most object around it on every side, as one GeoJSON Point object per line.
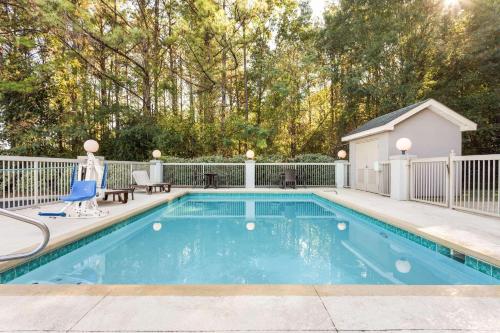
{"type": "Point", "coordinates": [82, 190]}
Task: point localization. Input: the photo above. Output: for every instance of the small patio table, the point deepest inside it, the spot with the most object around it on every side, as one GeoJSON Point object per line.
{"type": "Point", "coordinates": [210, 180]}
{"type": "Point", "coordinates": [118, 193]}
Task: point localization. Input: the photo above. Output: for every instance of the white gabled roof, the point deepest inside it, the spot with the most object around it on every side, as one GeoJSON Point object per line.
{"type": "Point", "coordinates": [388, 121]}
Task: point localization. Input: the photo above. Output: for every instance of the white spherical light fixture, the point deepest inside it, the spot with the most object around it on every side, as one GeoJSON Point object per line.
{"type": "Point", "coordinates": [250, 226]}
{"type": "Point", "coordinates": [157, 226]}
{"type": "Point", "coordinates": [342, 154]}
{"type": "Point", "coordinates": [403, 144]}
{"type": "Point", "coordinates": [403, 266]}
{"type": "Point", "coordinates": [250, 154]}
{"type": "Point", "coordinates": [156, 154]}
{"type": "Point", "coordinates": [341, 226]}
{"type": "Point", "coordinates": [91, 146]}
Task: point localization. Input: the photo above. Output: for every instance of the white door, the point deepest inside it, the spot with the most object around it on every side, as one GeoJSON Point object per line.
{"type": "Point", "coordinates": [366, 155]}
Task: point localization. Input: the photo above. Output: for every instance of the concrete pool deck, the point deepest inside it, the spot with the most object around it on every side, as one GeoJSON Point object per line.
{"type": "Point", "coordinates": [307, 309]}
{"type": "Point", "coordinates": [265, 308]}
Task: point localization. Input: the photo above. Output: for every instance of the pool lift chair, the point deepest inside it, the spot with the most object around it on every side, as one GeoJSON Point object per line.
{"type": "Point", "coordinates": [87, 185]}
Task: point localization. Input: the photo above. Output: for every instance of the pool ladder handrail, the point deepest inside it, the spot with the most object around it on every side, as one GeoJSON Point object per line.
{"type": "Point", "coordinates": [38, 224]}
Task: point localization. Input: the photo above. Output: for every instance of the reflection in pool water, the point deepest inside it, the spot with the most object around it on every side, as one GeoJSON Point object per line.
{"type": "Point", "coordinates": [253, 239]}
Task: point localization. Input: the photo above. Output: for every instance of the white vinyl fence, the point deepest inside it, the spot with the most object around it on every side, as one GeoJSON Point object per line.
{"type": "Point", "coordinates": [347, 175]}
{"type": "Point", "coordinates": [308, 174]}
{"type": "Point", "coordinates": [233, 174]}
{"type": "Point", "coordinates": [29, 181]}
{"type": "Point", "coordinates": [192, 174]}
{"type": "Point", "coordinates": [429, 180]}
{"type": "Point", "coordinates": [120, 173]}
{"type": "Point", "coordinates": [384, 178]}
{"type": "Point", "coordinates": [475, 183]}
{"type": "Point", "coordinates": [468, 183]}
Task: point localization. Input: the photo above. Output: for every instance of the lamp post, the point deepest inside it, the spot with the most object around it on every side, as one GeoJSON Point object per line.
{"type": "Point", "coordinates": [400, 170]}
{"type": "Point", "coordinates": [403, 144]}
{"type": "Point", "coordinates": [250, 154]}
{"type": "Point", "coordinates": [250, 170]}
{"type": "Point", "coordinates": [156, 154]}
{"type": "Point", "coordinates": [342, 154]}
{"type": "Point", "coordinates": [341, 170]}
{"type": "Point", "coordinates": [156, 168]}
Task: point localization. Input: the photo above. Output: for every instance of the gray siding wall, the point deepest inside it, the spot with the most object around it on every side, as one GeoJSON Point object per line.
{"type": "Point", "coordinates": [431, 135]}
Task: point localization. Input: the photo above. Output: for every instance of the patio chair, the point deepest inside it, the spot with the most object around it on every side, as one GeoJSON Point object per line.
{"type": "Point", "coordinates": [199, 179]}
{"type": "Point", "coordinates": [289, 177]}
{"type": "Point", "coordinates": [222, 179]}
{"type": "Point", "coordinates": [142, 181]}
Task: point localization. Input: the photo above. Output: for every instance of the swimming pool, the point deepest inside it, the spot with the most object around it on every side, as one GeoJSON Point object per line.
{"type": "Point", "coordinates": [253, 239]}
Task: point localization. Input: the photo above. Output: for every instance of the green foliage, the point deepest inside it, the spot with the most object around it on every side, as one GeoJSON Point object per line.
{"type": "Point", "coordinates": [305, 158]}
{"type": "Point", "coordinates": [216, 78]}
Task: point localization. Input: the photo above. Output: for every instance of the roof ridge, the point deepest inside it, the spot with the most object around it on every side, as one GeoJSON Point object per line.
{"type": "Point", "coordinates": [386, 118]}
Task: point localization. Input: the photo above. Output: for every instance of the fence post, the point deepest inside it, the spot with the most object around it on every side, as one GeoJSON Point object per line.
{"type": "Point", "coordinates": [451, 178]}
{"type": "Point", "coordinates": [340, 174]}
{"type": "Point", "coordinates": [400, 176]}
{"type": "Point", "coordinates": [35, 182]}
{"type": "Point", "coordinates": [155, 171]}
{"type": "Point", "coordinates": [249, 174]}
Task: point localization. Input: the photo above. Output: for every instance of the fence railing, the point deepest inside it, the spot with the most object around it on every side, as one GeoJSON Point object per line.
{"type": "Point", "coordinates": [29, 181]}
{"type": "Point", "coordinates": [308, 174]}
{"type": "Point", "coordinates": [384, 178]}
{"type": "Point", "coordinates": [192, 174]}
{"type": "Point", "coordinates": [475, 182]}
{"type": "Point", "coordinates": [468, 183]}
{"type": "Point", "coordinates": [347, 175]}
{"type": "Point", "coordinates": [233, 174]}
{"type": "Point", "coordinates": [120, 173]}
{"type": "Point", "coordinates": [429, 180]}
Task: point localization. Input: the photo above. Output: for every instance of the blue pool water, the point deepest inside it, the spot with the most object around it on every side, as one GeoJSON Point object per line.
{"type": "Point", "coordinates": [253, 239]}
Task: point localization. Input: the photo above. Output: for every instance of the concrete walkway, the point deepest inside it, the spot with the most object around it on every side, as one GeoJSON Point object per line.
{"type": "Point", "coordinates": [39, 308]}
{"type": "Point", "coordinates": [55, 313]}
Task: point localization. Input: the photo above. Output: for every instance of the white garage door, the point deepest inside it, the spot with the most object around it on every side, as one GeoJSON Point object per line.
{"type": "Point", "coordinates": [366, 155]}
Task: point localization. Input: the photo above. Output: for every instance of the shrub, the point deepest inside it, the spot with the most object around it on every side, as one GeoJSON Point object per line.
{"type": "Point", "coordinates": [305, 158]}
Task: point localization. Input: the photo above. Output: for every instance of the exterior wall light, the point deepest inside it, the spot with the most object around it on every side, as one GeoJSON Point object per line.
{"type": "Point", "coordinates": [342, 154]}
{"type": "Point", "coordinates": [403, 144]}
{"type": "Point", "coordinates": [250, 154]}
{"type": "Point", "coordinates": [91, 146]}
{"type": "Point", "coordinates": [156, 154]}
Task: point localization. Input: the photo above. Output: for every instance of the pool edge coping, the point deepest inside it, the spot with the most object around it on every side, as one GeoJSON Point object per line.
{"type": "Point", "coordinates": [251, 290]}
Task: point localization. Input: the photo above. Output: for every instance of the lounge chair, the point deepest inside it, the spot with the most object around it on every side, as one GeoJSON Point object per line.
{"type": "Point", "coordinates": [142, 181]}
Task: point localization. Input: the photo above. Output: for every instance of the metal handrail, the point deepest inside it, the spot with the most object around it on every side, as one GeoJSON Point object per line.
{"type": "Point", "coordinates": [38, 224]}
